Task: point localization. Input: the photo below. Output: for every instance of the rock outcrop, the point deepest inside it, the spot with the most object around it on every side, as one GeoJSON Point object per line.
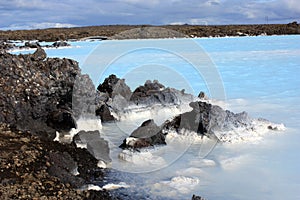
{"type": "Point", "coordinates": [60, 44]}
{"type": "Point", "coordinates": [112, 96]}
{"type": "Point", "coordinates": [36, 92]}
{"type": "Point", "coordinates": [32, 44]}
{"type": "Point", "coordinates": [154, 93]}
{"type": "Point", "coordinates": [114, 86]}
{"type": "Point", "coordinates": [96, 145]}
{"type": "Point", "coordinates": [148, 134]}
{"type": "Point", "coordinates": [206, 119]}
{"type": "Point", "coordinates": [105, 113]}
{"type": "Point", "coordinates": [4, 46]}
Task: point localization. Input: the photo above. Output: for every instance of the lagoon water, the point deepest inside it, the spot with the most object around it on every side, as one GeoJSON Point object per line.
{"type": "Point", "coordinates": [259, 75]}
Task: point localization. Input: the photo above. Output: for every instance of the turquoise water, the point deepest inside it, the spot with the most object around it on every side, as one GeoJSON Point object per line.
{"type": "Point", "coordinates": [257, 74]}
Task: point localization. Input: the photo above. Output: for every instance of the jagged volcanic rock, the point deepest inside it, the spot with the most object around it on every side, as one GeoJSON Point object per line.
{"type": "Point", "coordinates": [206, 118]}
{"type": "Point", "coordinates": [4, 46]}
{"type": "Point", "coordinates": [104, 113]}
{"type": "Point", "coordinates": [32, 44]}
{"type": "Point", "coordinates": [113, 95]}
{"type": "Point", "coordinates": [96, 145]}
{"type": "Point", "coordinates": [36, 92]}
{"type": "Point", "coordinates": [148, 134]}
{"type": "Point", "coordinates": [60, 44]}
{"type": "Point", "coordinates": [114, 86]}
{"type": "Point", "coordinates": [83, 99]}
{"type": "Point", "coordinates": [154, 93]}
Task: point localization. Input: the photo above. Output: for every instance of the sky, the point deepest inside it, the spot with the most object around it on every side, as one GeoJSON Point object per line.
{"type": "Point", "coordinates": [32, 14]}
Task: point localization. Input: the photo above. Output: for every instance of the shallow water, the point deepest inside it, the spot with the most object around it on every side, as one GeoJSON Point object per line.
{"type": "Point", "coordinates": [259, 75]}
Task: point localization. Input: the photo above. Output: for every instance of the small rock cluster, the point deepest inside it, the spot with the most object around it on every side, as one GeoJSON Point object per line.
{"type": "Point", "coordinates": [33, 44]}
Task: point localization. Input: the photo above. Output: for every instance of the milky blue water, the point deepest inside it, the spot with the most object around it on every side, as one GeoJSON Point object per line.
{"type": "Point", "coordinates": [260, 75]}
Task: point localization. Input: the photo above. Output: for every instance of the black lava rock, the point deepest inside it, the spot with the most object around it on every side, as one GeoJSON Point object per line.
{"type": "Point", "coordinates": [148, 134]}
{"type": "Point", "coordinates": [154, 93]}
{"type": "Point", "coordinates": [60, 44]}
{"type": "Point", "coordinates": [114, 86]}
{"type": "Point", "coordinates": [36, 93]}
{"type": "Point", "coordinates": [104, 113]}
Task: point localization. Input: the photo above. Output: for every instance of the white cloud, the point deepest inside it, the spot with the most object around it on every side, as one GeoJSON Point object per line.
{"type": "Point", "coordinates": [27, 13]}
{"type": "Point", "coordinates": [41, 25]}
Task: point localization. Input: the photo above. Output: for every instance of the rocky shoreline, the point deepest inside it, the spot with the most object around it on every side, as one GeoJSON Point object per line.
{"type": "Point", "coordinates": [38, 95]}
{"type": "Point", "coordinates": [104, 32]}
{"type": "Point", "coordinates": [35, 169]}
{"type": "Point", "coordinates": [36, 102]}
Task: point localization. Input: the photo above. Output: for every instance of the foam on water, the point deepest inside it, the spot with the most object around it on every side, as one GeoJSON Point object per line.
{"type": "Point", "coordinates": [258, 128]}
{"type": "Point", "coordinates": [83, 124]}
{"type": "Point", "coordinates": [174, 186]}
{"type": "Point", "coordinates": [109, 186]}
{"type": "Point", "coordinates": [112, 186]}
{"type": "Point", "coordinates": [143, 158]}
{"type": "Point", "coordinates": [158, 113]}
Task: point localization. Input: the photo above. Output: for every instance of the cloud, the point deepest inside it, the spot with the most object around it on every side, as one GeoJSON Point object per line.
{"type": "Point", "coordinates": [20, 13]}
{"type": "Point", "coordinates": [41, 25]}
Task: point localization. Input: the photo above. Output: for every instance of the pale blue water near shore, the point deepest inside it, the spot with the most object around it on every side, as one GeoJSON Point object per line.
{"type": "Point", "coordinates": [260, 76]}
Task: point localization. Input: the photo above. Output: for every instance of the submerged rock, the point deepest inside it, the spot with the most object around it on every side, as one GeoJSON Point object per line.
{"type": "Point", "coordinates": [32, 44]}
{"type": "Point", "coordinates": [60, 44]}
{"type": "Point", "coordinates": [148, 134]}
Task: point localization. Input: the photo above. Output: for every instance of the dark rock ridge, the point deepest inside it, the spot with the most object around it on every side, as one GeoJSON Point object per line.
{"type": "Point", "coordinates": [105, 113]}
{"type": "Point", "coordinates": [154, 93]}
{"type": "Point", "coordinates": [60, 44]}
{"type": "Point", "coordinates": [7, 45]}
{"type": "Point", "coordinates": [114, 96]}
{"type": "Point", "coordinates": [115, 86]}
{"type": "Point", "coordinates": [36, 92]}
{"type": "Point", "coordinates": [32, 45]}
{"type": "Point", "coordinates": [35, 44]}
{"type": "Point", "coordinates": [148, 134]}
{"type": "Point", "coordinates": [110, 93]}
{"type": "Point", "coordinates": [185, 30]}
{"type": "Point", "coordinates": [206, 119]}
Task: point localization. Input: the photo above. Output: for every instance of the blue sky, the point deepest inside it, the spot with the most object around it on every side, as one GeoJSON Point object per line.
{"type": "Point", "coordinates": [24, 14]}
